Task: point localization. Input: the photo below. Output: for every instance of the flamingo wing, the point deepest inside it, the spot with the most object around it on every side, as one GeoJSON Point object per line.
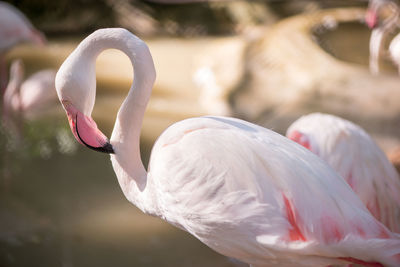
{"type": "Point", "coordinates": [255, 195]}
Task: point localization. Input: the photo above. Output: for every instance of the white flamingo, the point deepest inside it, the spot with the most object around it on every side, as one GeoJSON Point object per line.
{"type": "Point", "coordinates": [14, 28]}
{"type": "Point", "coordinates": [357, 158]}
{"type": "Point", "coordinates": [245, 191]}
{"type": "Point", "coordinates": [31, 95]}
{"type": "Point", "coordinates": [376, 41]}
{"type": "Point", "coordinates": [26, 99]}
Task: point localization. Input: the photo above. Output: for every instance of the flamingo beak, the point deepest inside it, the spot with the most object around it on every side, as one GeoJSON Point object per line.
{"type": "Point", "coordinates": [85, 130]}
{"type": "Point", "coordinates": [371, 19]}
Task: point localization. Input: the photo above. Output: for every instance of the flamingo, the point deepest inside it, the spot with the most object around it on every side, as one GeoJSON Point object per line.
{"type": "Point", "coordinates": [357, 158]}
{"type": "Point", "coordinates": [25, 99]}
{"type": "Point", "coordinates": [15, 28]}
{"type": "Point", "coordinates": [245, 191]}
{"type": "Point", "coordinates": [28, 96]}
{"type": "Point", "coordinates": [381, 29]}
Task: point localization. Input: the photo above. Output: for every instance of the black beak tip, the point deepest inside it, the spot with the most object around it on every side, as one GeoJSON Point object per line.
{"type": "Point", "coordinates": [107, 148]}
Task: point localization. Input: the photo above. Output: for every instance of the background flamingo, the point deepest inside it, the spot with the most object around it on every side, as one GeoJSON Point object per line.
{"type": "Point", "coordinates": [28, 97]}
{"type": "Point", "coordinates": [24, 100]}
{"type": "Point", "coordinates": [357, 158]}
{"type": "Point", "coordinates": [381, 29]}
{"type": "Point", "coordinates": [245, 191]}
{"type": "Point", "coordinates": [15, 28]}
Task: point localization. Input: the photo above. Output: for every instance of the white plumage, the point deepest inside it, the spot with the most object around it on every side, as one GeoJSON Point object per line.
{"type": "Point", "coordinates": [15, 28]}
{"type": "Point", "coordinates": [357, 158]}
{"type": "Point", "coordinates": [245, 191]}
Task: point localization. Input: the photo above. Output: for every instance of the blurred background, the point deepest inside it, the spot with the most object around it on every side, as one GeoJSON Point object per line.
{"type": "Point", "coordinates": [268, 62]}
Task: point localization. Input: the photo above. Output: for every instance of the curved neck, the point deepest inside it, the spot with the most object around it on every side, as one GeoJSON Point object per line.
{"type": "Point", "coordinates": [379, 34]}
{"type": "Point", "coordinates": [391, 22]}
{"type": "Point", "coordinates": [125, 137]}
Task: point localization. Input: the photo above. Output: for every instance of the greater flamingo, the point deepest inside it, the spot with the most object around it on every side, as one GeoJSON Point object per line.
{"type": "Point", "coordinates": [381, 28]}
{"type": "Point", "coordinates": [377, 38]}
{"type": "Point", "coordinates": [245, 191]}
{"type": "Point", "coordinates": [15, 28]}
{"type": "Point", "coordinates": [357, 158]}
{"type": "Point", "coordinates": [28, 97]}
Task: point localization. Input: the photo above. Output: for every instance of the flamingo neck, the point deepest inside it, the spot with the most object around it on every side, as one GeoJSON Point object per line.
{"type": "Point", "coordinates": [11, 97]}
{"type": "Point", "coordinates": [391, 22]}
{"type": "Point", "coordinates": [125, 138]}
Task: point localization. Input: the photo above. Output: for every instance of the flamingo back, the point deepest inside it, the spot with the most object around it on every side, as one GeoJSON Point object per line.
{"type": "Point", "coordinates": [357, 158]}
{"type": "Point", "coordinates": [255, 195]}
{"type": "Point", "coordinates": [15, 28]}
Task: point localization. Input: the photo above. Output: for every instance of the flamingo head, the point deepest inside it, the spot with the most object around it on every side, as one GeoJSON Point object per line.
{"type": "Point", "coordinates": [380, 8]}
{"type": "Point", "coordinates": [76, 89]}
{"type": "Point", "coordinates": [371, 18]}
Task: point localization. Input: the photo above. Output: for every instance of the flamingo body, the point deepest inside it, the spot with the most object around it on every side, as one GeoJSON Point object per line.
{"type": "Point", "coordinates": [15, 28]}
{"type": "Point", "coordinates": [357, 158]}
{"type": "Point", "coordinates": [236, 177]}
{"type": "Point", "coordinates": [38, 90]}
{"type": "Point", "coordinates": [245, 191]}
